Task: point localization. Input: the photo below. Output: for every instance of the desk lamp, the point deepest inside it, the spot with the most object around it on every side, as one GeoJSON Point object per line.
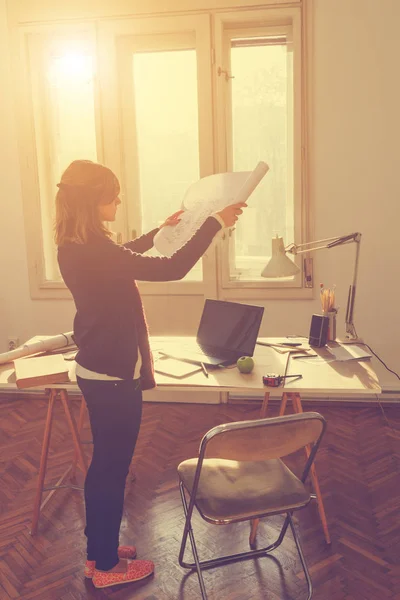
{"type": "Point", "coordinates": [281, 265]}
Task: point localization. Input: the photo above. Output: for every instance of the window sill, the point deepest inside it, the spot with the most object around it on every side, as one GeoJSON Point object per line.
{"type": "Point", "coordinates": [245, 290]}
{"type": "Point", "coordinates": [57, 290]}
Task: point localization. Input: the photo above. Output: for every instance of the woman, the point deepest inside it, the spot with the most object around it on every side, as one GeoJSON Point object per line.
{"type": "Point", "coordinates": [114, 362]}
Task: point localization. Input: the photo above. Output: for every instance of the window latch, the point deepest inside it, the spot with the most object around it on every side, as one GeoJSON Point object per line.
{"type": "Point", "coordinates": [227, 75]}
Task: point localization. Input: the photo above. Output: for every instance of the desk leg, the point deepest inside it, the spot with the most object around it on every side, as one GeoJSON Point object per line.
{"type": "Point", "coordinates": [283, 404]}
{"type": "Point", "coordinates": [38, 505]}
{"type": "Point", "coordinates": [224, 397]}
{"type": "Point", "coordinates": [263, 413]}
{"type": "Point", "coordinates": [255, 522]}
{"type": "Point", "coordinates": [314, 478]}
{"type": "Point", "coordinates": [74, 431]}
{"type": "Point", "coordinates": [43, 462]}
{"type": "Point", "coordinates": [264, 406]}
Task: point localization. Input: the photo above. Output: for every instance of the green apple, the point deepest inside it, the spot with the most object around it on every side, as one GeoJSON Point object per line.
{"type": "Point", "coordinates": [245, 364]}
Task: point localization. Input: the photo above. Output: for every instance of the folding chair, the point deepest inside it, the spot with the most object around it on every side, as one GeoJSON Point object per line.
{"type": "Point", "coordinates": [239, 476]}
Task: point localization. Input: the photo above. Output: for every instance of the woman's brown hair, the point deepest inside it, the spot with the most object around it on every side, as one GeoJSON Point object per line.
{"type": "Point", "coordinates": [83, 187]}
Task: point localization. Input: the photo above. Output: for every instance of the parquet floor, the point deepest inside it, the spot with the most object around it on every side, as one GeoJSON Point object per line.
{"type": "Point", "coordinates": [359, 471]}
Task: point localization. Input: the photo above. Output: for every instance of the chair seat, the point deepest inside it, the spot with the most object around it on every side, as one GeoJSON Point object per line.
{"type": "Point", "coordinates": [235, 491]}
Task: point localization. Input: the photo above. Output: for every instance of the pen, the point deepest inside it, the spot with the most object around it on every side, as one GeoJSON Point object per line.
{"type": "Point", "coordinates": [289, 344]}
{"type": "Point", "coordinates": [204, 369]}
{"type": "Point", "coordinates": [304, 356]}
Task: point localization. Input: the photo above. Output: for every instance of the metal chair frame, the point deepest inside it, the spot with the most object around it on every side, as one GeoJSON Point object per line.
{"type": "Point", "coordinates": [188, 507]}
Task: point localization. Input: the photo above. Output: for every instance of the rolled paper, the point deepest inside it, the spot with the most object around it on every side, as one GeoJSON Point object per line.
{"type": "Point", "coordinates": [55, 342]}
{"type": "Point", "coordinates": [252, 182]}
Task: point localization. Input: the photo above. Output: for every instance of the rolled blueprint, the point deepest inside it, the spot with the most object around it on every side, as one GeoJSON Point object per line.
{"type": "Point", "coordinates": [55, 342]}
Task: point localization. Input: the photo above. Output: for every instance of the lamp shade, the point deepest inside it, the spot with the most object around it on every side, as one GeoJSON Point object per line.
{"type": "Point", "coordinates": [280, 265]}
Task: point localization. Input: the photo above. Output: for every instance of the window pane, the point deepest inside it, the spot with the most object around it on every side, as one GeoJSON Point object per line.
{"type": "Point", "coordinates": [261, 125]}
{"type": "Point", "coordinates": [165, 87]}
{"type": "Point", "coordinates": [65, 131]}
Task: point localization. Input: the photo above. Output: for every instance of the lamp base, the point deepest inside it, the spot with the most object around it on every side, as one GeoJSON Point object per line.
{"type": "Point", "coordinates": [347, 340]}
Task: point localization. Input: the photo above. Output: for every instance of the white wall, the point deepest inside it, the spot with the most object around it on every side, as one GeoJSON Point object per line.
{"type": "Point", "coordinates": [355, 158]}
{"type": "Point", "coordinates": [355, 95]}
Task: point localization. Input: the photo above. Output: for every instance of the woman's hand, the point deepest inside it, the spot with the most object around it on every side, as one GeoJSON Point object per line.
{"type": "Point", "coordinates": [172, 220]}
{"type": "Point", "coordinates": [230, 214]}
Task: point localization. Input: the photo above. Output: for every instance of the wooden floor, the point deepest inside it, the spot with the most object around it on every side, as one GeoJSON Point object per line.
{"type": "Point", "coordinates": [359, 471]}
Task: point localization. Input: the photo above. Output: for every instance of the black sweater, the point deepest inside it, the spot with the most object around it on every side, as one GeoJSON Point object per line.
{"type": "Point", "coordinates": [100, 276]}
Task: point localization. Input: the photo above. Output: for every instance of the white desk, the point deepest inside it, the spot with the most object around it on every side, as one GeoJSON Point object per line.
{"type": "Point", "coordinates": [318, 377]}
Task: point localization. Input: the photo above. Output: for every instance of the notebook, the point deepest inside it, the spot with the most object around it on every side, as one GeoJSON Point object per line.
{"type": "Point", "coordinates": [40, 370]}
{"type": "Point", "coordinates": [175, 368]}
{"type": "Point", "coordinates": [227, 331]}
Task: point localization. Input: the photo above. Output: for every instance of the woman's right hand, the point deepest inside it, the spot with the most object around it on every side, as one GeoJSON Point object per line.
{"type": "Point", "coordinates": [230, 214]}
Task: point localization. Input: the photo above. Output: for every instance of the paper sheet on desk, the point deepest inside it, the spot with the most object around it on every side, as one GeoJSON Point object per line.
{"type": "Point", "coordinates": [349, 352]}
{"type": "Point", "coordinates": [172, 367]}
{"type": "Point", "coordinates": [285, 345]}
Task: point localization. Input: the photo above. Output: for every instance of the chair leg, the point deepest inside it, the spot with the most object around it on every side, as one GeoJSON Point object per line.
{"type": "Point", "coordinates": [189, 531]}
{"type": "Point", "coordinates": [302, 559]}
{"type": "Point", "coordinates": [255, 522]}
{"type": "Point", "coordinates": [222, 560]}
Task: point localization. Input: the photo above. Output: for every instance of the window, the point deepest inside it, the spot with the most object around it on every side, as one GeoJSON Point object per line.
{"type": "Point", "coordinates": [259, 108]}
{"type": "Point", "coordinates": [261, 130]}
{"type": "Point", "coordinates": [163, 101]}
{"type": "Point", "coordinates": [159, 96]}
{"type": "Point", "coordinates": [61, 76]}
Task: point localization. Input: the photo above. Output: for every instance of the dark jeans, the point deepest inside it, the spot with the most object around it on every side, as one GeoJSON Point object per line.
{"type": "Point", "coordinates": [115, 411]}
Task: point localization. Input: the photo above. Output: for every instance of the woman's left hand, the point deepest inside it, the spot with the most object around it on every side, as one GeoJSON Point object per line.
{"type": "Point", "coordinates": [173, 219]}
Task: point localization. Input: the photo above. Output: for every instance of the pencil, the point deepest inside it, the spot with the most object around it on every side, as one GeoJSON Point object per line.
{"type": "Point", "coordinates": [327, 296]}
{"type": "Point", "coordinates": [204, 369]}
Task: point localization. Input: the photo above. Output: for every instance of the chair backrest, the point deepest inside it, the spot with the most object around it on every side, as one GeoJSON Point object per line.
{"type": "Point", "coordinates": [263, 439]}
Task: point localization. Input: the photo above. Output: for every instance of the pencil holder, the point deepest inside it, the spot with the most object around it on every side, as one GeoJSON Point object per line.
{"type": "Point", "coordinates": [331, 337]}
{"type": "Point", "coordinates": [318, 331]}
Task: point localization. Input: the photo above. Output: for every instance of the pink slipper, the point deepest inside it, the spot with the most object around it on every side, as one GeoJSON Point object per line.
{"type": "Point", "coordinates": [137, 570]}
{"type": "Point", "coordinates": [123, 552]}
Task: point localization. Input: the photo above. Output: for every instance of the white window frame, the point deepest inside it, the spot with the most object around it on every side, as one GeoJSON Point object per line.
{"type": "Point", "coordinates": [32, 42]}
{"type": "Point", "coordinates": [255, 22]}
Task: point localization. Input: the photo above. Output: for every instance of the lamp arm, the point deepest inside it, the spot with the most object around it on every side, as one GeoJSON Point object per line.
{"type": "Point", "coordinates": [332, 243]}
{"type": "Point", "coordinates": [350, 329]}
{"type": "Point", "coordinates": [326, 243]}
